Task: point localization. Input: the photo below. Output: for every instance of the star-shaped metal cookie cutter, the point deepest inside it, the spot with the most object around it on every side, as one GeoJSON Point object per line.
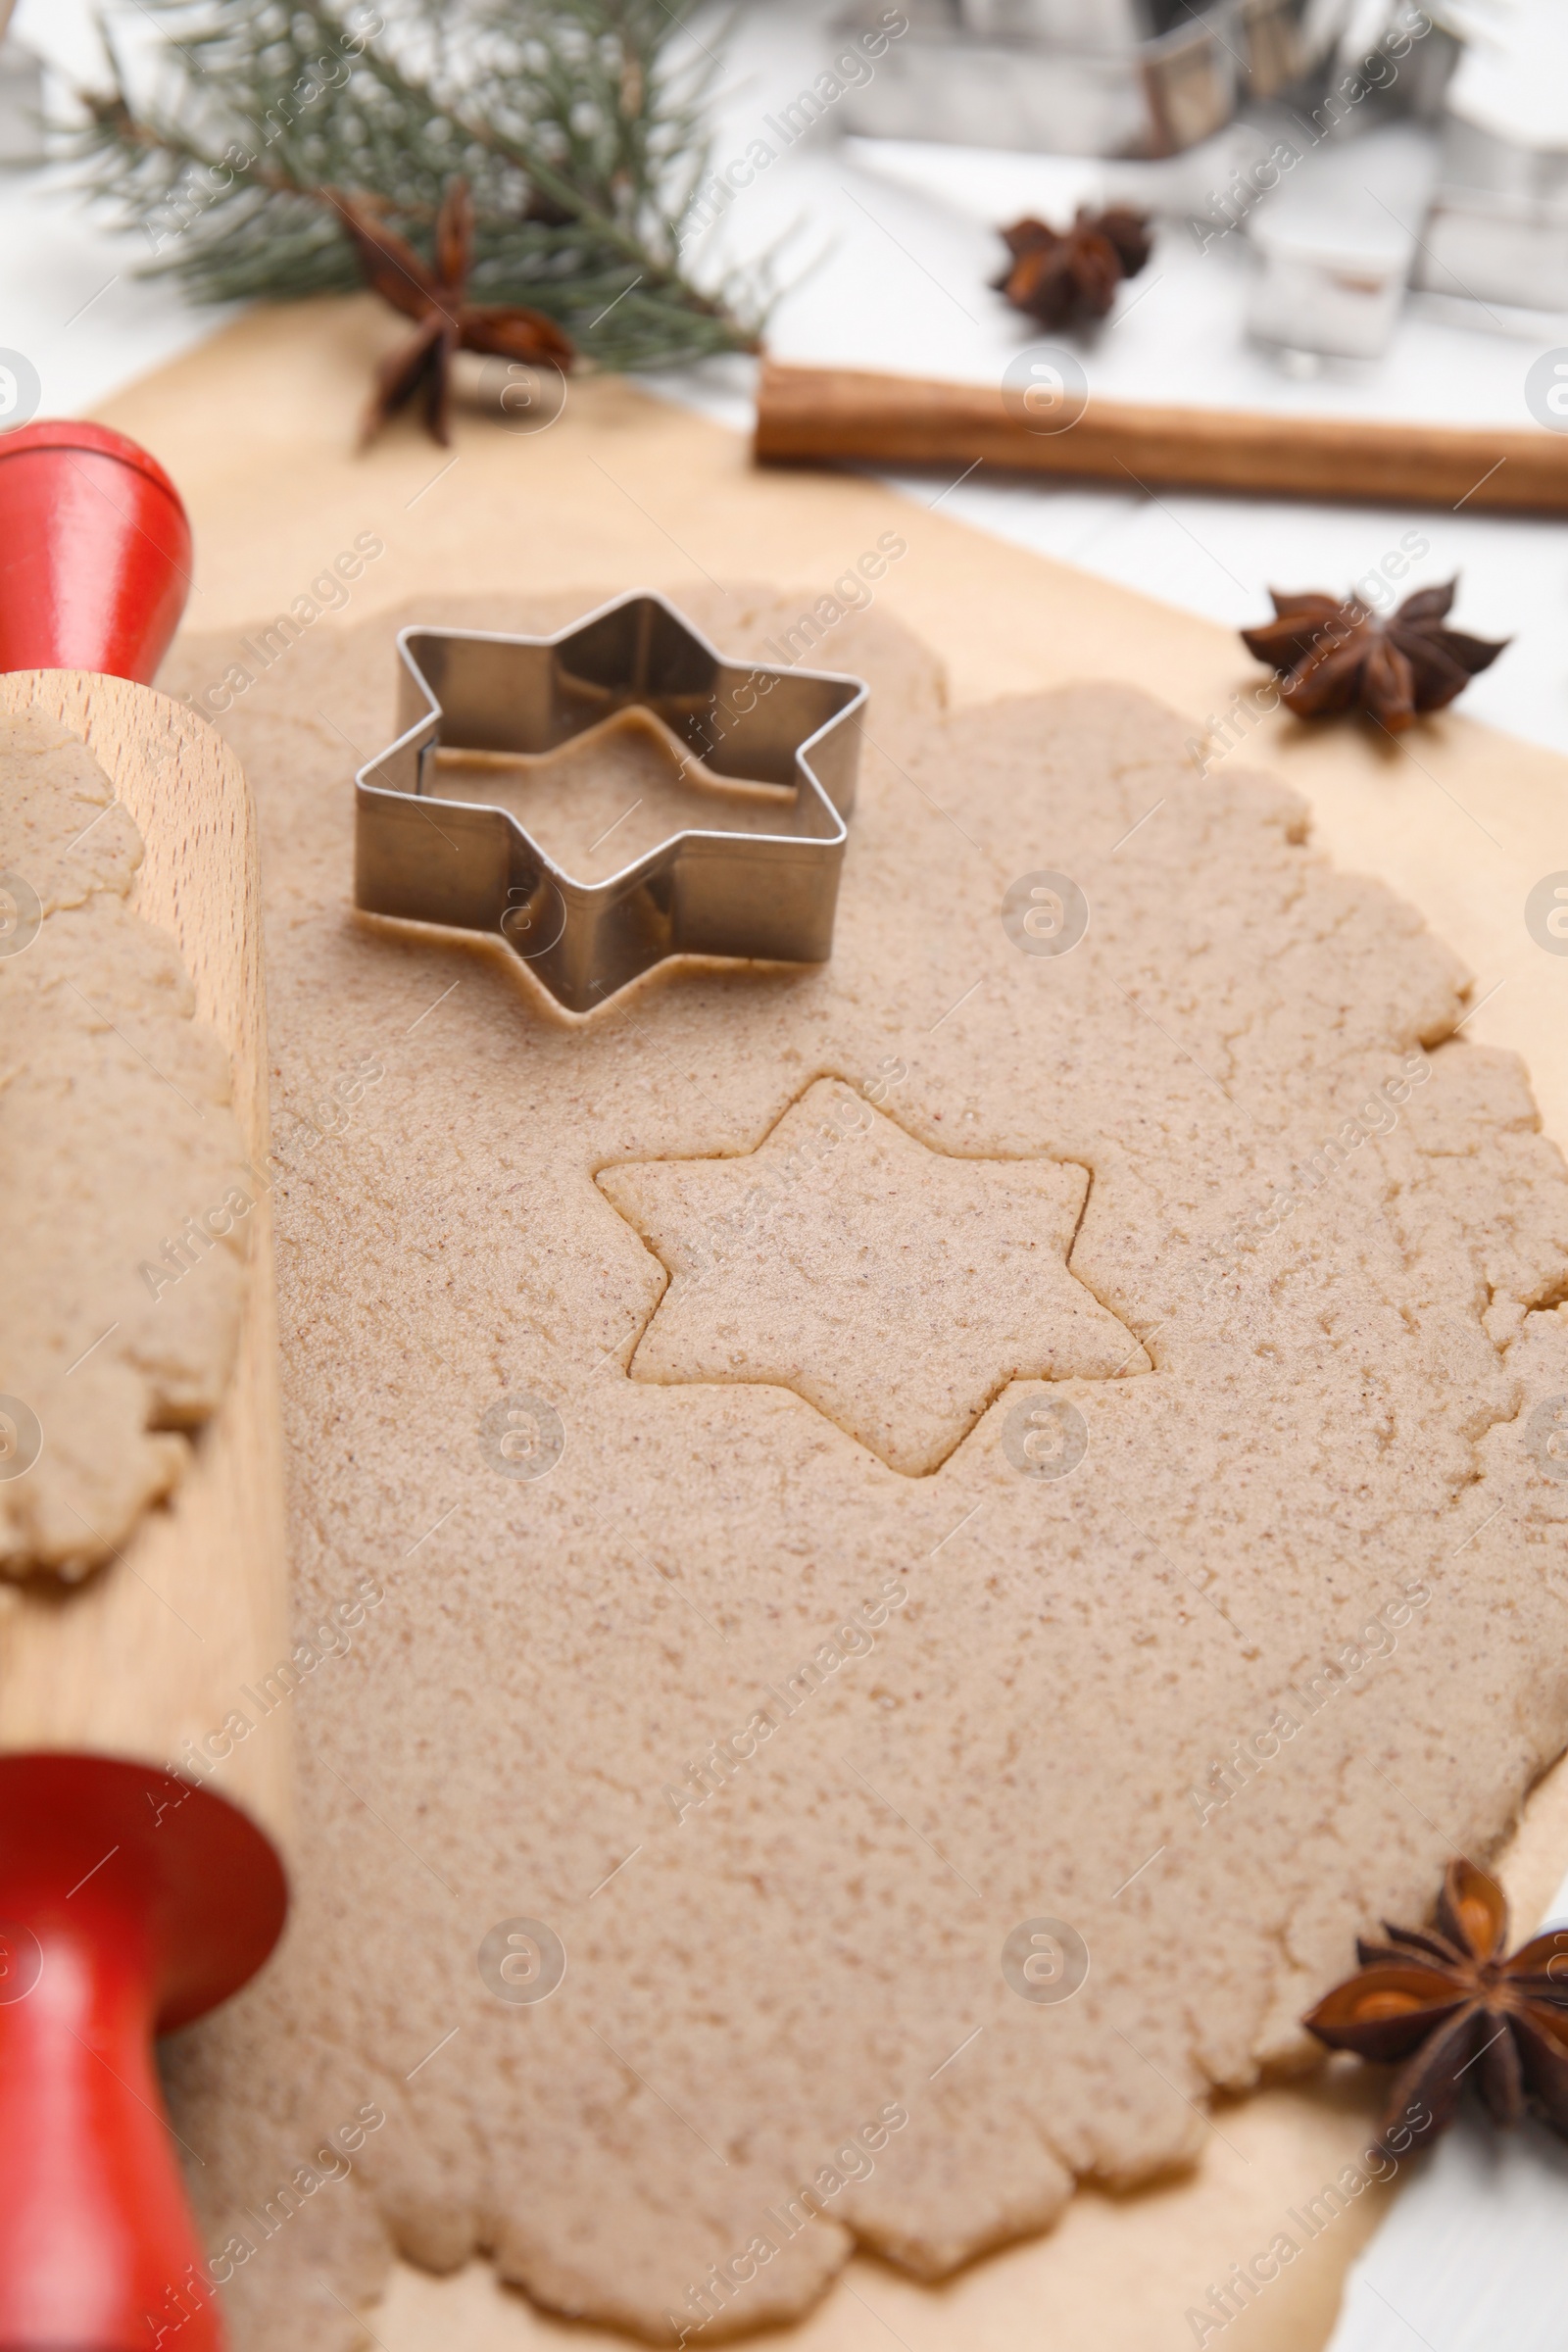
{"type": "Point", "coordinates": [706, 892]}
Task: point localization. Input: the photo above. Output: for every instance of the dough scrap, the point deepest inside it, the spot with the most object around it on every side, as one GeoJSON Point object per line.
{"type": "Point", "coordinates": [1214, 1701]}
{"type": "Point", "coordinates": [119, 1318]}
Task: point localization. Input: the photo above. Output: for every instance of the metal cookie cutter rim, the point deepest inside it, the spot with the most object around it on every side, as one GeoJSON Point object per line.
{"type": "Point", "coordinates": [703, 890]}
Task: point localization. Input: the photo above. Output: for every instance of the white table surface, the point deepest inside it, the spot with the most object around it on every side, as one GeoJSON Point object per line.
{"type": "Point", "coordinates": [1476, 2251]}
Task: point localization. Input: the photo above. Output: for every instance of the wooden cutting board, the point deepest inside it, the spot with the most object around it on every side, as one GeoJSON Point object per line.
{"type": "Point", "coordinates": [257, 427]}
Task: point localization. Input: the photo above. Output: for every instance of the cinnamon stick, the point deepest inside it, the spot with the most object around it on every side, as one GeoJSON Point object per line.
{"type": "Point", "coordinates": [817, 414]}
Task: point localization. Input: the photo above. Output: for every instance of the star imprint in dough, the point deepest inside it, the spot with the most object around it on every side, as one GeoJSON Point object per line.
{"type": "Point", "coordinates": [897, 1289]}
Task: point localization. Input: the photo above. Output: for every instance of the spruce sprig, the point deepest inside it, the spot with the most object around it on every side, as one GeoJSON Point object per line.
{"type": "Point", "coordinates": [580, 126]}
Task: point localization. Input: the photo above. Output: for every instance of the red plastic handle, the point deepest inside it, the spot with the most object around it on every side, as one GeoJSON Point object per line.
{"type": "Point", "coordinates": [95, 552]}
{"type": "Point", "coordinates": [131, 1902]}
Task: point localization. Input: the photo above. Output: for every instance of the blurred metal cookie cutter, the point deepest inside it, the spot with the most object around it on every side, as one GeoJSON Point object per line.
{"type": "Point", "coordinates": [702, 892]}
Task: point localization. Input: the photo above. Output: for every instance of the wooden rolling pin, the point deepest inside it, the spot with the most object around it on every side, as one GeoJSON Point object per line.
{"type": "Point", "coordinates": [809, 414]}
{"type": "Point", "coordinates": [140, 1881]}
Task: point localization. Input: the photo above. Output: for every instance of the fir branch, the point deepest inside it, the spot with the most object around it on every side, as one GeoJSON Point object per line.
{"type": "Point", "coordinates": [578, 125]}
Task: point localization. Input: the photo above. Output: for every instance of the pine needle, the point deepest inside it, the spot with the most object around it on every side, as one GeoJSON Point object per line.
{"type": "Point", "coordinates": [579, 125]}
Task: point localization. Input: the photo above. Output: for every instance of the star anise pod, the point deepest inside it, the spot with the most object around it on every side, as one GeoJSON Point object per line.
{"type": "Point", "coordinates": [1061, 279]}
{"type": "Point", "coordinates": [1444, 2000]}
{"type": "Point", "coordinates": [437, 298]}
{"type": "Point", "coordinates": [1342, 657]}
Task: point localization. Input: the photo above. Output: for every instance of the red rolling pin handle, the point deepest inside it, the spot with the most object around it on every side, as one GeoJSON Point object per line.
{"type": "Point", "coordinates": [131, 1902]}
{"type": "Point", "coordinates": [95, 552]}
